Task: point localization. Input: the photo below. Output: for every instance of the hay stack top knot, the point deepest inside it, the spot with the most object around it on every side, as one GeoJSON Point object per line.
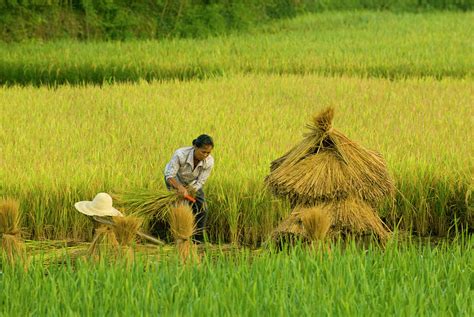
{"type": "Point", "coordinates": [326, 165]}
{"type": "Point", "coordinates": [323, 121]}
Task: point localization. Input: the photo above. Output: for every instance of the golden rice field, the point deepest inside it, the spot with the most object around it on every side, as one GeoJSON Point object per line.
{"type": "Point", "coordinates": [64, 144]}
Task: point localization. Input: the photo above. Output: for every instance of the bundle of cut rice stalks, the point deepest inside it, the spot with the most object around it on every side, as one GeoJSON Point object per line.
{"type": "Point", "coordinates": [12, 245]}
{"type": "Point", "coordinates": [353, 216]}
{"type": "Point", "coordinates": [350, 217]}
{"type": "Point", "coordinates": [182, 225]}
{"type": "Point", "coordinates": [152, 205]}
{"type": "Point", "coordinates": [326, 166]}
{"type": "Point", "coordinates": [116, 241]}
{"type": "Point", "coordinates": [126, 229]}
{"type": "Point", "coordinates": [105, 244]}
{"type": "Point", "coordinates": [305, 224]}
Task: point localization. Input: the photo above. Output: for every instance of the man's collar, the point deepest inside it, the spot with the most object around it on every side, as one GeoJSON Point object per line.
{"type": "Point", "coordinates": [190, 159]}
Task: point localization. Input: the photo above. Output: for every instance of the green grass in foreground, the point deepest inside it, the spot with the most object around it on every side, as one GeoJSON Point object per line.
{"type": "Point", "coordinates": [367, 44]}
{"type": "Point", "coordinates": [404, 280]}
{"type": "Point", "coordinates": [59, 146]}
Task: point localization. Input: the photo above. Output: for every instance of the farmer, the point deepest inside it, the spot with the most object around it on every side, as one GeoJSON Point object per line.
{"type": "Point", "coordinates": [191, 166]}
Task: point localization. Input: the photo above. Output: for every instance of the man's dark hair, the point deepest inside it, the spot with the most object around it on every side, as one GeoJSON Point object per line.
{"type": "Point", "coordinates": [203, 140]}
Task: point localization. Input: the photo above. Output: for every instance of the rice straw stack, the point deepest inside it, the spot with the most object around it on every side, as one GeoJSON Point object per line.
{"type": "Point", "coordinates": [328, 174]}
{"type": "Point", "coordinates": [327, 166]}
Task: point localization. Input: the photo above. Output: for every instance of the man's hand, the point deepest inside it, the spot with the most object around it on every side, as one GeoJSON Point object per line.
{"type": "Point", "coordinates": [182, 191]}
{"type": "Point", "coordinates": [178, 186]}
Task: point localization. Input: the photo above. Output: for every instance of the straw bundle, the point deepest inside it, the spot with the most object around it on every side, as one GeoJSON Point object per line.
{"type": "Point", "coordinates": [126, 229]}
{"type": "Point", "coordinates": [182, 224]}
{"type": "Point", "coordinates": [350, 216]}
{"type": "Point", "coordinates": [327, 166]}
{"type": "Point", "coordinates": [304, 225]}
{"type": "Point", "coordinates": [354, 216]}
{"type": "Point", "coordinates": [104, 243]}
{"type": "Point", "coordinates": [316, 222]}
{"type": "Point", "coordinates": [12, 245]}
{"type": "Point", "coordinates": [290, 230]}
{"type": "Point", "coordinates": [153, 205]}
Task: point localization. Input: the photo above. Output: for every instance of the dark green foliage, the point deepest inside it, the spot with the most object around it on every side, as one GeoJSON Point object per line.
{"type": "Point", "coordinates": [149, 19]}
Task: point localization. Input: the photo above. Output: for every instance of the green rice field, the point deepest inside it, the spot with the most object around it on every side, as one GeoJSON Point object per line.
{"type": "Point", "coordinates": [365, 44]}
{"type": "Point", "coordinates": [403, 280]}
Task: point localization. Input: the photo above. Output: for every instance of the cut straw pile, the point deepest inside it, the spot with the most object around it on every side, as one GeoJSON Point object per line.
{"type": "Point", "coordinates": [182, 224]}
{"type": "Point", "coordinates": [12, 245]}
{"type": "Point", "coordinates": [329, 171]}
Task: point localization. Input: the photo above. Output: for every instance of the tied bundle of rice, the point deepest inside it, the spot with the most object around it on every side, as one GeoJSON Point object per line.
{"type": "Point", "coordinates": [116, 240]}
{"type": "Point", "coordinates": [354, 216]}
{"type": "Point", "coordinates": [305, 224]}
{"type": "Point", "coordinates": [182, 224]}
{"type": "Point", "coordinates": [126, 229]}
{"type": "Point", "coordinates": [104, 244]}
{"type": "Point", "coordinates": [326, 166]}
{"type": "Point", "coordinates": [316, 222]}
{"type": "Point", "coordinates": [348, 217]}
{"type": "Point", "coordinates": [12, 245]}
{"type": "Point", "coordinates": [153, 205]}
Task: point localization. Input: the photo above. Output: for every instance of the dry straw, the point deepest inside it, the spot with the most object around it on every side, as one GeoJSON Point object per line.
{"type": "Point", "coordinates": [182, 225]}
{"type": "Point", "coordinates": [117, 240]}
{"type": "Point", "coordinates": [126, 229]}
{"type": "Point", "coordinates": [305, 224]}
{"type": "Point", "coordinates": [316, 222]}
{"type": "Point", "coordinates": [327, 166]}
{"type": "Point", "coordinates": [354, 216]}
{"type": "Point", "coordinates": [153, 205]}
{"type": "Point", "coordinates": [12, 245]}
{"type": "Point", "coordinates": [105, 244]}
{"type": "Point", "coordinates": [339, 181]}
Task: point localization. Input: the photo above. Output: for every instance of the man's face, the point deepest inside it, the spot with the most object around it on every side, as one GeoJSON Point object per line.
{"type": "Point", "coordinates": [200, 153]}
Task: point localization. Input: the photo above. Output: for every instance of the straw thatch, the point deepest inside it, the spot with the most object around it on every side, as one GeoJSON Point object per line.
{"type": "Point", "coordinates": [182, 225]}
{"type": "Point", "coordinates": [327, 166]}
{"type": "Point", "coordinates": [12, 245]}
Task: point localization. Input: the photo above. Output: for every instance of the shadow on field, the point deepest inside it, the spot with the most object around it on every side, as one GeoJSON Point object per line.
{"type": "Point", "coordinates": [45, 75]}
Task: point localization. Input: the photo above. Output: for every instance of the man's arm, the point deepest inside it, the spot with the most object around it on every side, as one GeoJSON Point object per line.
{"type": "Point", "coordinates": [170, 174]}
{"type": "Point", "coordinates": [178, 186]}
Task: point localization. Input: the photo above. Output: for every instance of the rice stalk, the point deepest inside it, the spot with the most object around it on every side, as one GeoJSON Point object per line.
{"type": "Point", "coordinates": [355, 216]}
{"type": "Point", "coordinates": [289, 231]}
